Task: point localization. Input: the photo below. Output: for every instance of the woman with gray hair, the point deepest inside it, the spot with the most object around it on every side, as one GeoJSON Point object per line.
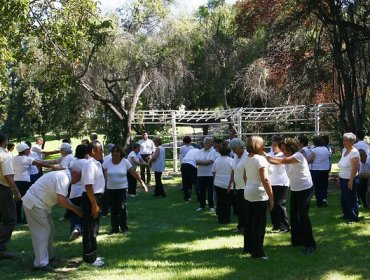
{"type": "Point", "coordinates": [237, 177]}
{"type": "Point", "coordinates": [348, 167]}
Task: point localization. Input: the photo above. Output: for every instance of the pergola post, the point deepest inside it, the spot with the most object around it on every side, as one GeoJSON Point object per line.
{"type": "Point", "coordinates": [239, 127]}
{"type": "Point", "coordinates": [317, 119]}
{"type": "Point", "coordinates": [174, 141]}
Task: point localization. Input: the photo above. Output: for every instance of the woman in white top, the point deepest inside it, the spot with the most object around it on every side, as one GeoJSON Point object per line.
{"type": "Point", "coordinates": [75, 195]}
{"type": "Point", "coordinates": [135, 159]}
{"type": "Point", "coordinates": [237, 179]}
{"type": "Point", "coordinates": [186, 147]}
{"type": "Point", "coordinates": [115, 173]}
{"type": "Point", "coordinates": [258, 195]}
{"type": "Point", "coordinates": [348, 168]}
{"type": "Point", "coordinates": [320, 166]}
{"type": "Point", "coordinates": [158, 163]}
{"type": "Point", "coordinates": [22, 171]}
{"type": "Point", "coordinates": [280, 189]}
{"type": "Point", "coordinates": [300, 196]}
{"type": "Point", "coordinates": [221, 178]}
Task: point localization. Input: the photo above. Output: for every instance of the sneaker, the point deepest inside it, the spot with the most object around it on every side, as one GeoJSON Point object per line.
{"type": "Point", "coordinates": [100, 259]}
{"type": "Point", "coordinates": [324, 203]}
{"type": "Point", "coordinates": [132, 195]}
{"type": "Point", "coordinates": [199, 209]}
{"type": "Point", "coordinates": [98, 262]}
{"type": "Point", "coordinates": [264, 258]}
{"type": "Point", "coordinates": [74, 235]}
{"type": "Point", "coordinates": [212, 209]}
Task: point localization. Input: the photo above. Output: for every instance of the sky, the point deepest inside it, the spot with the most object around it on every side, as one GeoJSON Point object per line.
{"type": "Point", "coordinates": [187, 6]}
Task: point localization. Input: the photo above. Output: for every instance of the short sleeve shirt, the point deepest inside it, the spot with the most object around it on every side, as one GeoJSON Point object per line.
{"type": "Point", "coordinates": [136, 156]}
{"type": "Point", "coordinates": [147, 147]}
{"type": "Point", "coordinates": [299, 174]}
{"type": "Point", "coordinates": [117, 174]}
{"type": "Point", "coordinates": [206, 170]}
{"type": "Point", "coordinates": [254, 190]}
{"type": "Point", "coordinates": [222, 168]}
{"type": "Point", "coordinates": [345, 163]}
{"type": "Point", "coordinates": [92, 174]}
{"type": "Point", "coordinates": [237, 165]}
{"type": "Point", "coordinates": [76, 188]}
{"type": "Point", "coordinates": [277, 172]}
{"type": "Point", "coordinates": [22, 168]}
{"type": "Point", "coordinates": [6, 166]}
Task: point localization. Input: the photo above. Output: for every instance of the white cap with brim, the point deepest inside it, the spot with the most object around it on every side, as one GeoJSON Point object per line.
{"type": "Point", "coordinates": [65, 146]}
{"type": "Point", "coordinates": [22, 147]}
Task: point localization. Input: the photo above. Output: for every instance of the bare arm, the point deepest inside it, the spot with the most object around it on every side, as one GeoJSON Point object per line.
{"type": "Point", "coordinates": [287, 160]}
{"type": "Point", "coordinates": [94, 206]}
{"type": "Point", "coordinates": [355, 166]}
{"type": "Point", "coordinates": [66, 203]}
{"type": "Point", "coordinates": [311, 157]}
{"type": "Point", "coordinates": [45, 164]}
{"type": "Point", "coordinates": [154, 156]}
{"type": "Point", "coordinates": [267, 185]}
{"type": "Point", "coordinates": [138, 178]}
{"type": "Point", "coordinates": [204, 162]}
{"type": "Point", "coordinates": [231, 181]}
{"type": "Point", "coordinates": [13, 186]}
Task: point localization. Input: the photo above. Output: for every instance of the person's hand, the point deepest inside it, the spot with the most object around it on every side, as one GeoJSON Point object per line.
{"type": "Point", "coordinates": [78, 211]}
{"type": "Point", "coordinates": [95, 210]}
{"type": "Point", "coordinates": [350, 184]}
{"type": "Point", "coordinates": [338, 183]}
{"type": "Point", "coordinates": [57, 167]}
{"type": "Point", "coordinates": [145, 188]}
{"type": "Point", "coordinates": [271, 203]}
{"type": "Point", "coordinates": [17, 195]}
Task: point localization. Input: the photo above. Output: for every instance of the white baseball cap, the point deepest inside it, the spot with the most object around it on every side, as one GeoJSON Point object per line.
{"type": "Point", "coordinates": [65, 146]}
{"type": "Point", "coordinates": [22, 147]}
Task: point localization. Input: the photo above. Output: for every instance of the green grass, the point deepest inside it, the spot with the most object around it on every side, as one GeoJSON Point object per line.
{"type": "Point", "coordinates": [167, 239]}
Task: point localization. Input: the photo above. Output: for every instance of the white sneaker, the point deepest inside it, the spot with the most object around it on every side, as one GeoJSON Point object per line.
{"type": "Point", "coordinates": [199, 209]}
{"type": "Point", "coordinates": [74, 235]}
{"type": "Point", "coordinates": [212, 209]}
{"type": "Point", "coordinates": [98, 262]}
{"type": "Point", "coordinates": [100, 259]}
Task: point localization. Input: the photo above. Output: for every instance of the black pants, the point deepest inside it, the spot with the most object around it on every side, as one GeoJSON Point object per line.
{"type": "Point", "coordinates": [158, 190]}
{"type": "Point", "coordinates": [144, 168]}
{"type": "Point", "coordinates": [105, 203]}
{"type": "Point", "coordinates": [118, 216]}
{"type": "Point", "coordinates": [301, 228]}
{"type": "Point", "coordinates": [255, 227]}
{"type": "Point", "coordinates": [23, 187]}
{"type": "Point", "coordinates": [8, 216]}
{"type": "Point", "coordinates": [279, 216]}
{"type": "Point", "coordinates": [205, 185]}
{"type": "Point", "coordinates": [189, 178]}
{"type": "Point", "coordinates": [223, 205]}
{"type": "Point", "coordinates": [320, 179]}
{"type": "Point", "coordinates": [132, 183]}
{"type": "Point", "coordinates": [239, 199]}
{"type": "Point", "coordinates": [90, 229]}
{"type": "Point", "coordinates": [74, 219]}
{"type": "Point", "coordinates": [361, 190]}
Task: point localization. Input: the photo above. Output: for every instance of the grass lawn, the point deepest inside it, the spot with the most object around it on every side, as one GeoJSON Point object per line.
{"type": "Point", "coordinates": [167, 239]}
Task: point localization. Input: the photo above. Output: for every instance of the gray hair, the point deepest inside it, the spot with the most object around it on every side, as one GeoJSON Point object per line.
{"type": "Point", "coordinates": [207, 140]}
{"type": "Point", "coordinates": [236, 143]}
{"type": "Point", "coordinates": [350, 137]}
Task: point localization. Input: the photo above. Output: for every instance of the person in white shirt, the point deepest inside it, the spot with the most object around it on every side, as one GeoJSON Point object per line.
{"type": "Point", "coordinates": [258, 196]}
{"type": "Point", "coordinates": [205, 159]}
{"type": "Point", "coordinates": [186, 147]}
{"type": "Point", "coordinates": [22, 168]}
{"type": "Point", "coordinates": [37, 148]}
{"type": "Point", "coordinates": [349, 165]}
{"type": "Point", "coordinates": [147, 148]}
{"type": "Point", "coordinates": [303, 146]}
{"type": "Point", "coordinates": [221, 178]}
{"type": "Point", "coordinates": [320, 166]}
{"type": "Point", "coordinates": [8, 193]}
{"type": "Point", "coordinates": [361, 143]}
{"type": "Point", "coordinates": [66, 156]}
{"type": "Point", "coordinates": [75, 194]}
{"type": "Point", "coordinates": [34, 173]}
{"type": "Point", "coordinates": [158, 163]}
{"type": "Point", "coordinates": [361, 179]}
{"type": "Point", "coordinates": [93, 184]}
{"type": "Point", "coordinates": [135, 159]}
{"type": "Point", "coordinates": [189, 173]}
{"type": "Point", "coordinates": [10, 148]}
{"type": "Point", "coordinates": [300, 196]}
{"type": "Point", "coordinates": [237, 178]}
{"type": "Point", "coordinates": [115, 173]}
{"type": "Point", "coordinates": [50, 189]}
{"type": "Point", "coordinates": [280, 188]}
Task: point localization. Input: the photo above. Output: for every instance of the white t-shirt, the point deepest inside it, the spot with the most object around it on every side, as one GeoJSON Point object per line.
{"type": "Point", "coordinates": [299, 174]}
{"type": "Point", "coordinates": [136, 156]}
{"type": "Point", "coordinates": [321, 160]}
{"type": "Point", "coordinates": [22, 168]}
{"type": "Point", "coordinates": [362, 145]}
{"type": "Point", "coordinates": [159, 164]}
{"type": "Point", "coordinates": [38, 150]}
{"type": "Point", "coordinates": [107, 157]}
{"type": "Point", "coordinates": [66, 160]}
{"type": "Point", "coordinates": [6, 166]}
{"type": "Point", "coordinates": [277, 172]}
{"type": "Point", "coordinates": [254, 190]}
{"type": "Point", "coordinates": [76, 188]}
{"type": "Point", "coordinates": [237, 165]}
{"type": "Point", "coordinates": [184, 149]}
{"type": "Point", "coordinates": [34, 169]}
{"type": "Point", "coordinates": [117, 174]}
{"type": "Point", "coordinates": [43, 193]}
{"type": "Point", "coordinates": [147, 147]}
{"type": "Point", "coordinates": [222, 168]}
{"type": "Point", "coordinates": [345, 165]}
{"type": "Point", "coordinates": [365, 167]}
{"type": "Point", "coordinates": [307, 151]}
{"type": "Point", "coordinates": [190, 157]}
{"type": "Point", "coordinates": [92, 174]}
{"type": "Point", "coordinates": [211, 154]}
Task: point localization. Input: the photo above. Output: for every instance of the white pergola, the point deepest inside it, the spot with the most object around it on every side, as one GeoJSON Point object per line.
{"type": "Point", "coordinates": [238, 116]}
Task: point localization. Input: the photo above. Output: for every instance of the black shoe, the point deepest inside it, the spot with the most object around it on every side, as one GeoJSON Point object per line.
{"type": "Point", "coordinates": [308, 250]}
{"type": "Point", "coordinates": [6, 255]}
{"type": "Point", "coordinates": [46, 268]}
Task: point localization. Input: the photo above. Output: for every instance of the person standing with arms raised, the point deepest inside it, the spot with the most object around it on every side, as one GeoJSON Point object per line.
{"type": "Point", "coordinates": [147, 148]}
{"type": "Point", "coordinates": [93, 183]}
{"type": "Point", "coordinates": [8, 192]}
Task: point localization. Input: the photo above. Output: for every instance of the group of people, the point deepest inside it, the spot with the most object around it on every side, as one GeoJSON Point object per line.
{"type": "Point", "coordinates": [227, 175]}
{"type": "Point", "coordinates": [243, 177]}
